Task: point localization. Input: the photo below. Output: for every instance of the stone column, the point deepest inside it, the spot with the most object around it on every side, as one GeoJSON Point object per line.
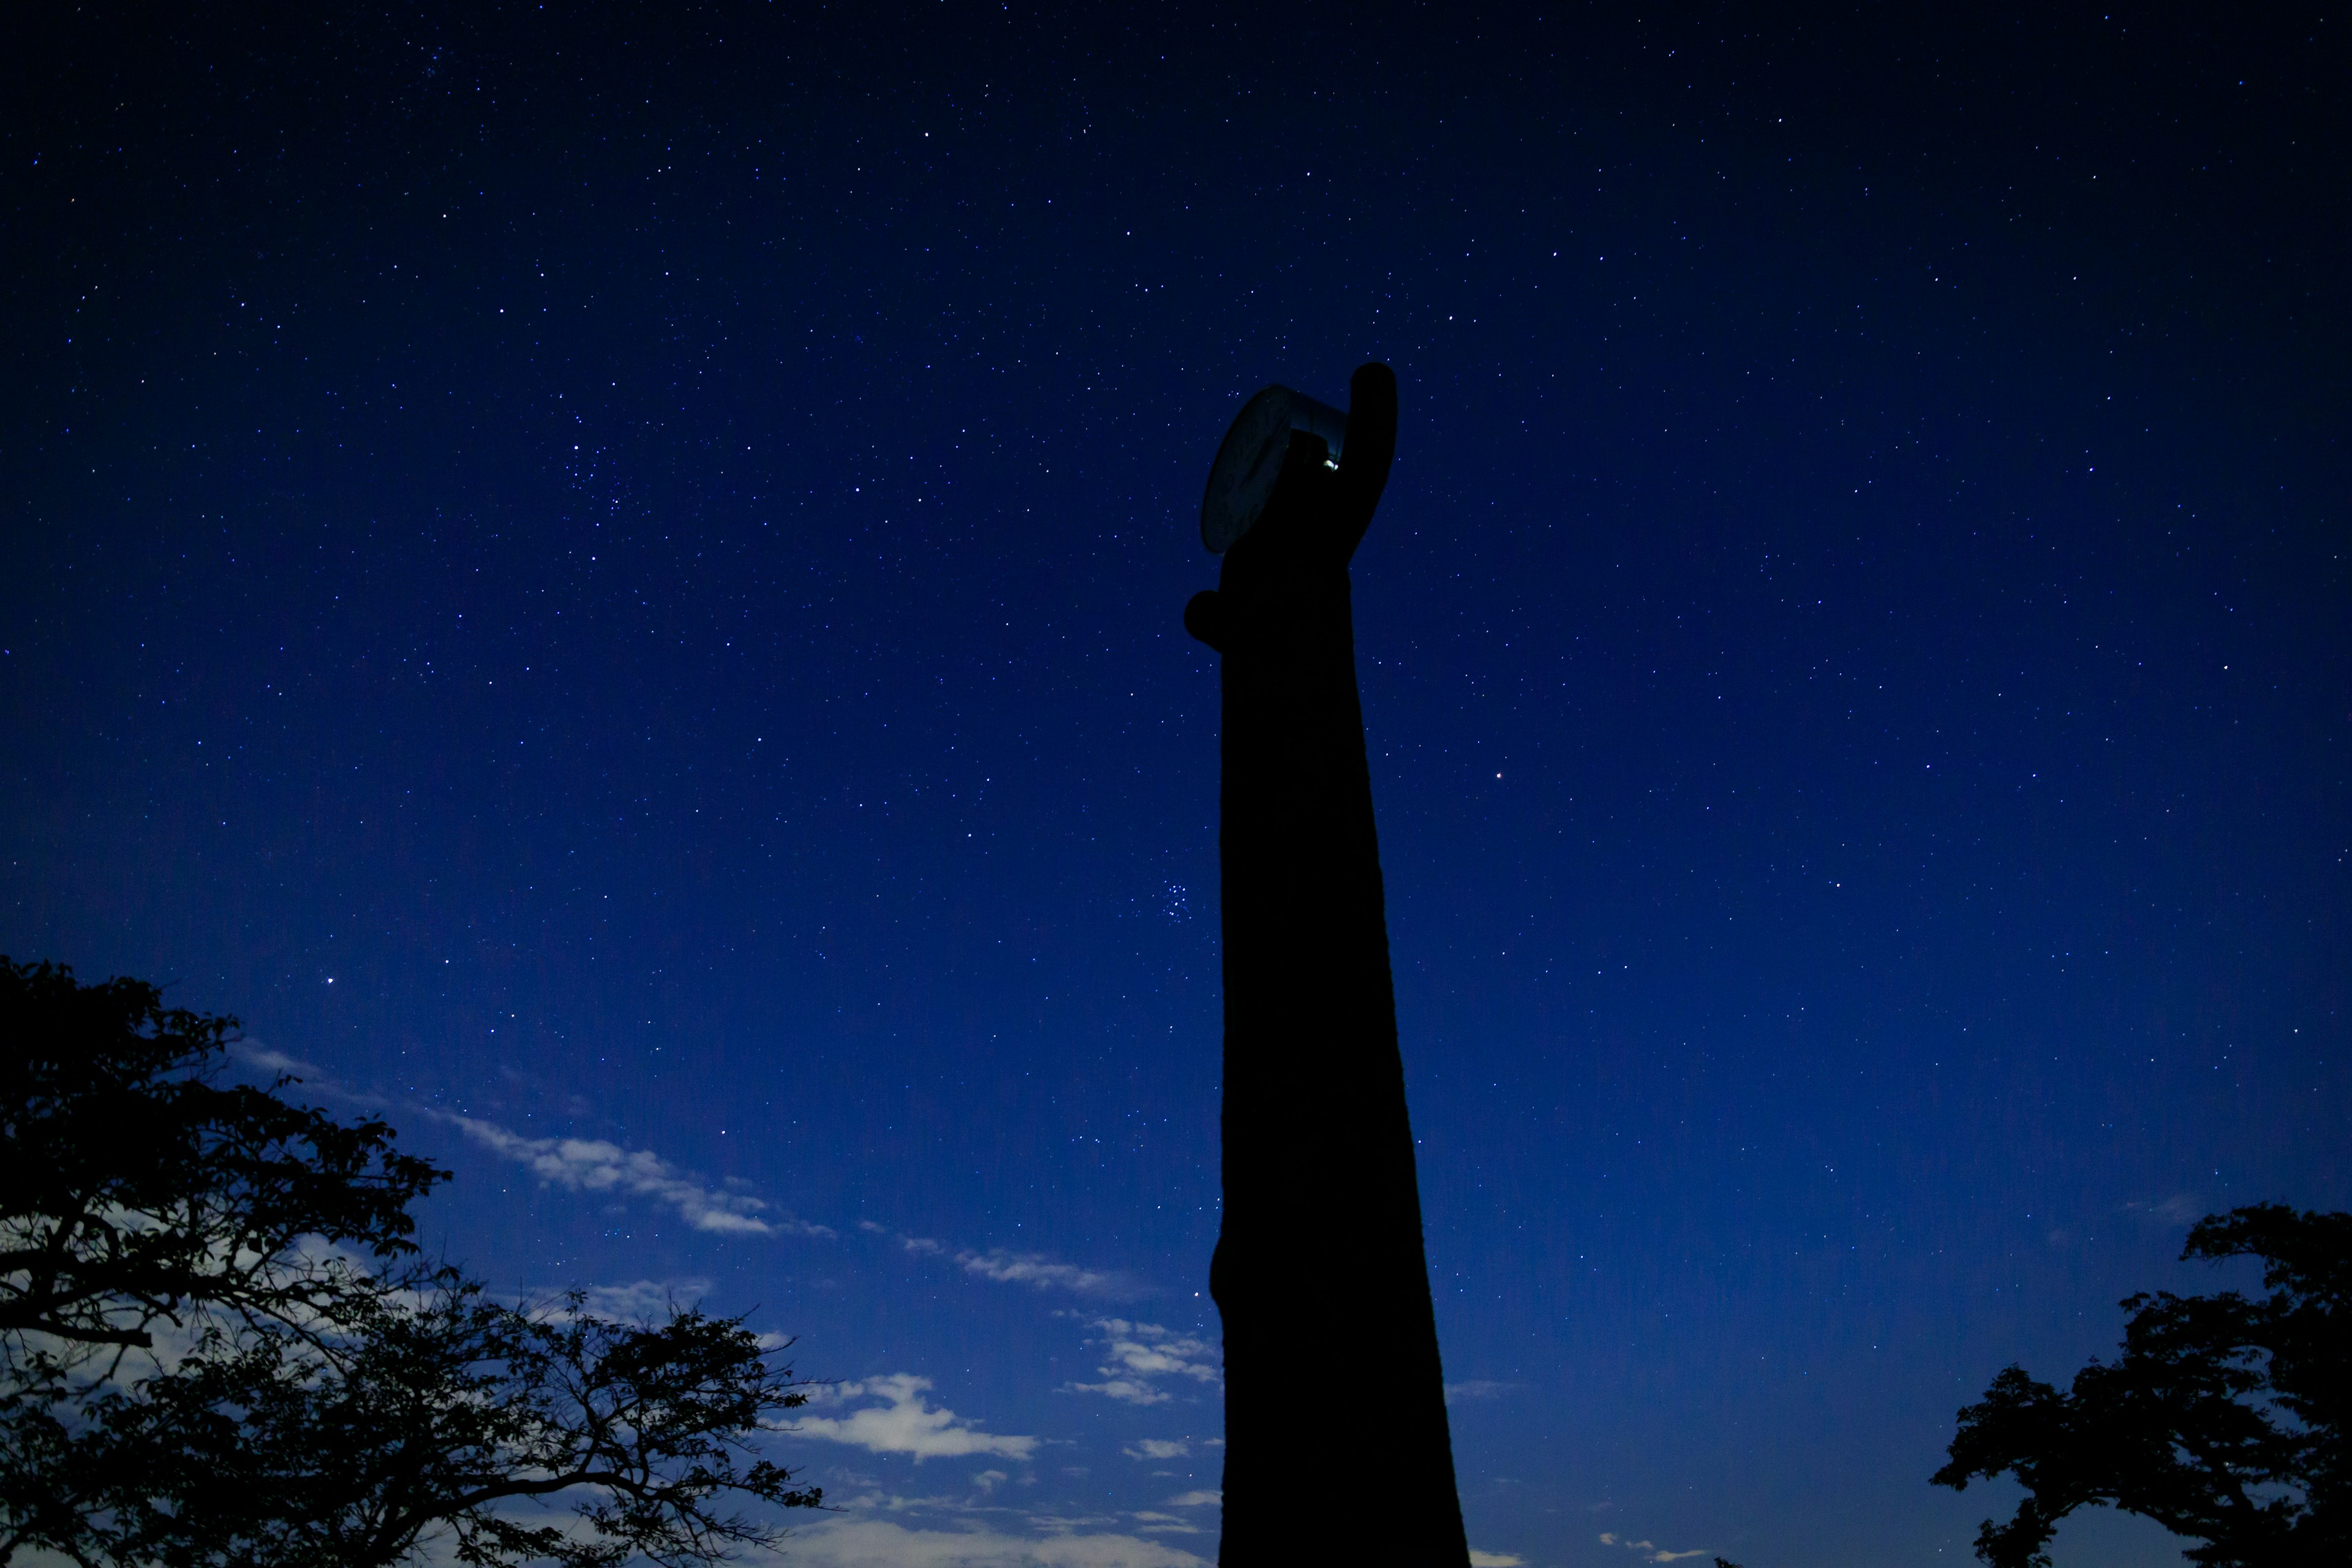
{"type": "Point", "coordinates": [1337, 1447]}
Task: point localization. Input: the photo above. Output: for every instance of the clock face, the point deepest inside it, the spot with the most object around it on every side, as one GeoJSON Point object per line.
{"type": "Point", "coordinates": [1250, 460]}
{"type": "Point", "coordinates": [1247, 464]}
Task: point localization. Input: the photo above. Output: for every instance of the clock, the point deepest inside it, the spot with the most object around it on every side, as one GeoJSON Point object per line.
{"type": "Point", "coordinates": [1250, 459]}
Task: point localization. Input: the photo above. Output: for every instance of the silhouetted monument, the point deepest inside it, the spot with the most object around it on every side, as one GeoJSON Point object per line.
{"type": "Point", "coordinates": [1337, 1447]}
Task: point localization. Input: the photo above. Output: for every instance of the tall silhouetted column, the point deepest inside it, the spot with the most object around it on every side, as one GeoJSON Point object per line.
{"type": "Point", "coordinates": [1337, 1447]}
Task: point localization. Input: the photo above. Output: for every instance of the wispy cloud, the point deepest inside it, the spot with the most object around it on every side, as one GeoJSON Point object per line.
{"type": "Point", "coordinates": [272, 1061]}
{"type": "Point", "coordinates": [1034, 1268]}
{"type": "Point", "coordinates": [1009, 1267]}
{"type": "Point", "coordinates": [645, 1301]}
{"type": "Point", "coordinates": [2181, 1208]}
{"type": "Point", "coordinates": [876, 1501]}
{"type": "Point", "coordinates": [1197, 1499]}
{"type": "Point", "coordinates": [583, 1164]}
{"type": "Point", "coordinates": [1158, 1449]}
{"type": "Point", "coordinates": [1495, 1559]}
{"type": "Point", "coordinates": [1152, 1523]}
{"type": "Point", "coordinates": [878, 1543]}
{"type": "Point", "coordinates": [1135, 1355]}
{"type": "Point", "coordinates": [1650, 1552]}
{"type": "Point", "coordinates": [594, 1165]}
{"type": "Point", "coordinates": [1477, 1388]}
{"type": "Point", "coordinates": [905, 1423]}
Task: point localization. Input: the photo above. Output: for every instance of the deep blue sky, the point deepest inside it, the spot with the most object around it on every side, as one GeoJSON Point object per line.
{"type": "Point", "coordinates": [613, 574]}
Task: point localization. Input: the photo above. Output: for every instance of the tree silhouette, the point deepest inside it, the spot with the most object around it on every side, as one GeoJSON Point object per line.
{"type": "Point", "coordinates": [137, 1189]}
{"type": "Point", "coordinates": [138, 1192]}
{"type": "Point", "coordinates": [310, 1405]}
{"type": "Point", "coordinates": [2223, 1420]}
{"type": "Point", "coordinates": [433, 1419]}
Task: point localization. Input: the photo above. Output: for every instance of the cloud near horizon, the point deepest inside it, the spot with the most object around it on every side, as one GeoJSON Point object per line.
{"type": "Point", "coordinates": [878, 1543]}
{"type": "Point", "coordinates": [1650, 1550]}
{"type": "Point", "coordinates": [904, 1424]}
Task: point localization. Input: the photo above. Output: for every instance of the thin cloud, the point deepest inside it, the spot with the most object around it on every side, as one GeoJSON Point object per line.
{"type": "Point", "coordinates": [1477, 1388]}
{"type": "Point", "coordinates": [920, 1246]}
{"type": "Point", "coordinates": [1009, 1267]}
{"type": "Point", "coordinates": [1034, 1268]}
{"type": "Point", "coordinates": [581, 1165]}
{"type": "Point", "coordinates": [1164, 1524]}
{"type": "Point", "coordinates": [594, 1165]}
{"type": "Point", "coordinates": [1495, 1559]}
{"type": "Point", "coordinates": [1197, 1499]}
{"type": "Point", "coordinates": [877, 1502]}
{"type": "Point", "coordinates": [878, 1543]}
{"type": "Point", "coordinates": [1650, 1552]}
{"type": "Point", "coordinates": [1158, 1449]}
{"type": "Point", "coordinates": [1136, 1355]}
{"type": "Point", "coordinates": [904, 1424]}
{"type": "Point", "coordinates": [645, 1301]}
{"type": "Point", "coordinates": [278, 1061]}
{"type": "Point", "coordinates": [2179, 1209]}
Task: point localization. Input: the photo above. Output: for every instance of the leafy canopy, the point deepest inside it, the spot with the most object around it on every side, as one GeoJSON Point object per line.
{"type": "Point", "coordinates": [136, 1188]}
{"type": "Point", "coordinates": [2223, 1420]}
{"type": "Point", "coordinates": [311, 1406]}
{"type": "Point", "coordinates": [432, 1419]}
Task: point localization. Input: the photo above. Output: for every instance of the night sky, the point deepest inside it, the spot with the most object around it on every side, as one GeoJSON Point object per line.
{"type": "Point", "coordinates": [608, 579]}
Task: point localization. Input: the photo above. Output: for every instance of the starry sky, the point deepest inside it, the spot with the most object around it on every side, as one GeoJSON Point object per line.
{"type": "Point", "coordinates": [608, 578]}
